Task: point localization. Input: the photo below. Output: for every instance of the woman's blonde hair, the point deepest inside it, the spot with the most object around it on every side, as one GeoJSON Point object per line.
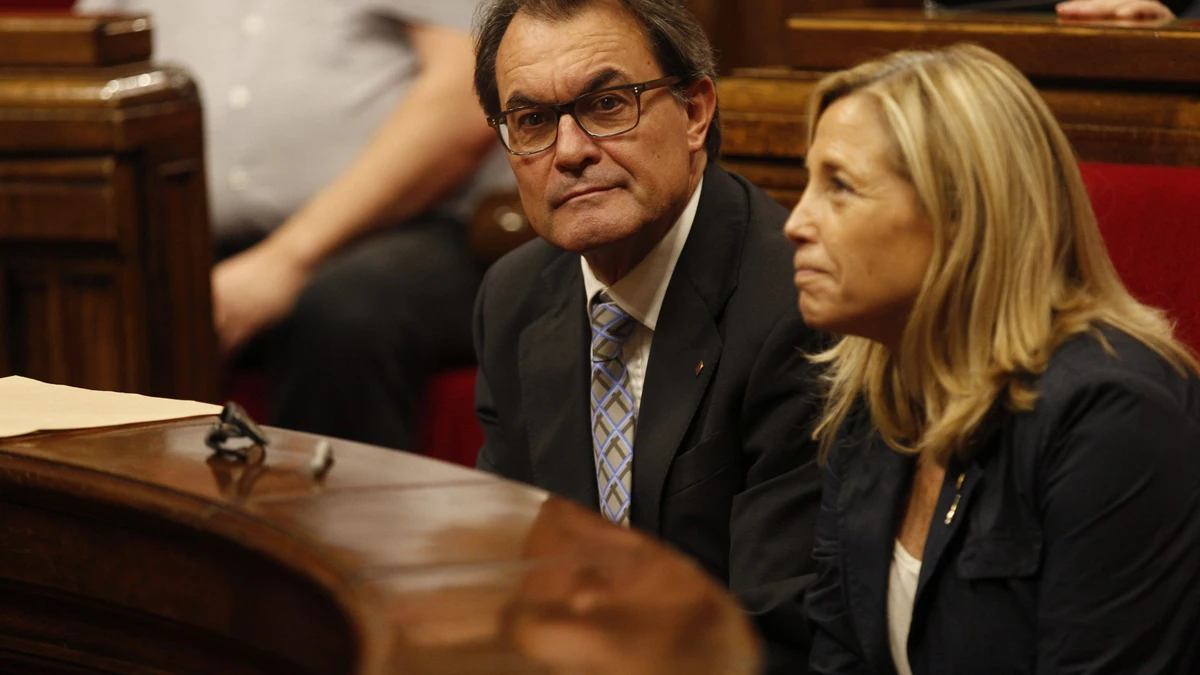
{"type": "Point", "coordinates": [1018, 263]}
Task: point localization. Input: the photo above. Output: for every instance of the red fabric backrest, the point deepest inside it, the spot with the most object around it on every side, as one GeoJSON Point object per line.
{"type": "Point", "coordinates": [37, 5]}
{"type": "Point", "coordinates": [1151, 224]}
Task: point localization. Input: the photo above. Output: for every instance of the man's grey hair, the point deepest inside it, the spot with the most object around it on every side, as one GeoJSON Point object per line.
{"type": "Point", "coordinates": [672, 32]}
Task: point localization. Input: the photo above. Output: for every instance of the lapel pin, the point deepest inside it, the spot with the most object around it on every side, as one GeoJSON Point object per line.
{"type": "Point", "coordinates": [957, 496]}
{"type": "Point", "coordinates": [699, 367]}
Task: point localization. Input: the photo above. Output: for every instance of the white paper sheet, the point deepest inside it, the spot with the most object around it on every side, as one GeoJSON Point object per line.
{"type": "Point", "coordinates": [28, 405]}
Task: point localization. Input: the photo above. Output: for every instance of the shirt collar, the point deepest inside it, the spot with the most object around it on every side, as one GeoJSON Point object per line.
{"type": "Point", "coordinates": [640, 293]}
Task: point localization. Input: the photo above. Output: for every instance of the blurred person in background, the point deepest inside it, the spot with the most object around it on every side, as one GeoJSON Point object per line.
{"type": "Point", "coordinates": [345, 150]}
{"type": "Point", "coordinates": [1150, 11]}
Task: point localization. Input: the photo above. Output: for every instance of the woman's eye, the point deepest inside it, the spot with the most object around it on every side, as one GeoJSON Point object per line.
{"type": "Point", "coordinates": [839, 185]}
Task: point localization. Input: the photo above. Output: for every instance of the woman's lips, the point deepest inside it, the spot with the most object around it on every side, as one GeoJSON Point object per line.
{"type": "Point", "coordinates": [805, 274]}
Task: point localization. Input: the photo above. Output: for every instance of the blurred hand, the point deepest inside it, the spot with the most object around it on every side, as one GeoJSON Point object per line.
{"type": "Point", "coordinates": [252, 291]}
{"type": "Point", "coordinates": [1127, 10]}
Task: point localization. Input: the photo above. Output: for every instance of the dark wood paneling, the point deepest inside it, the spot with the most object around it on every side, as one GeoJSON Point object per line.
{"type": "Point", "coordinates": [764, 115]}
{"type": "Point", "coordinates": [152, 595]}
{"type": "Point", "coordinates": [1109, 117]}
{"type": "Point", "coordinates": [68, 324]}
{"type": "Point", "coordinates": [72, 40]}
{"type": "Point", "coordinates": [753, 34]}
{"type": "Point", "coordinates": [70, 199]}
{"type": "Point", "coordinates": [105, 256]}
{"type": "Point", "coordinates": [93, 333]}
{"type": "Point", "coordinates": [75, 290]}
{"type": "Point", "coordinates": [178, 264]}
{"type": "Point", "coordinates": [1040, 47]}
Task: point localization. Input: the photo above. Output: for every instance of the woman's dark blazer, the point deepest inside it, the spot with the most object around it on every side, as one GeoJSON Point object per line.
{"type": "Point", "coordinates": [1071, 546]}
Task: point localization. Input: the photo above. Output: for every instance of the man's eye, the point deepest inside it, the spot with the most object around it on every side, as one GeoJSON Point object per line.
{"type": "Point", "coordinates": [839, 185]}
{"type": "Point", "coordinates": [607, 103]}
{"type": "Point", "coordinates": [532, 119]}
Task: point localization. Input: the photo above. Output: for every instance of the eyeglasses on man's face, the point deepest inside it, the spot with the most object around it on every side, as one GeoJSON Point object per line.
{"type": "Point", "coordinates": [607, 112]}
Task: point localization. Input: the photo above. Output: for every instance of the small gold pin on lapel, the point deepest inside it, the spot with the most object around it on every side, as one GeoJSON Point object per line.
{"type": "Point", "coordinates": [958, 496]}
{"type": "Point", "coordinates": [699, 367]}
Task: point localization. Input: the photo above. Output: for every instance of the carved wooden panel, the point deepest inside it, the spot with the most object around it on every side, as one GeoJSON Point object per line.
{"type": "Point", "coordinates": [71, 313]}
{"type": "Point", "coordinates": [105, 256]}
{"type": "Point", "coordinates": [58, 200]}
{"type": "Point", "coordinates": [66, 40]}
{"type": "Point", "coordinates": [1107, 116]}
{"type": "Point", "coordinates": [752, 34]}
{"type": "Point", "coordinates": [178, 262]}
{"type": "Point", "coordinates": [1039, 46]}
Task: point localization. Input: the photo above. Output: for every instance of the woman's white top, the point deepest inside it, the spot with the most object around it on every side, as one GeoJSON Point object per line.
{"type": "Point", "coordinates": [902, 589]}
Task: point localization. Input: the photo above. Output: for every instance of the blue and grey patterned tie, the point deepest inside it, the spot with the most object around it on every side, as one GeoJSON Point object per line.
{"type": "Point", "coordinates": [613, 418]}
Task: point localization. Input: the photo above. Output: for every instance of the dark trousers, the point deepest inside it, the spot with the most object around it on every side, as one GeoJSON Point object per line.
{"type": "Point", "coordinates": [376, 320]}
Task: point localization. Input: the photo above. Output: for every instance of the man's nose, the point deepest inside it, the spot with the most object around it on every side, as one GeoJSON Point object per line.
{"type": "Point", "coordinates": [575, 149]}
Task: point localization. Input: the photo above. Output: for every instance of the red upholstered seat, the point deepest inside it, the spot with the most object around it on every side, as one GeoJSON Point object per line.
{"type": "Point", "coordinates": [450, 429]}
{"type": "Point", "coordinates": [1151, 223]}
{"type": "Point", "coordinates": [36, 5]}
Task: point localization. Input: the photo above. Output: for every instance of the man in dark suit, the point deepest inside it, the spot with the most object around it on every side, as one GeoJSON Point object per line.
{"type": "Point", "coordinates": [661, 285]}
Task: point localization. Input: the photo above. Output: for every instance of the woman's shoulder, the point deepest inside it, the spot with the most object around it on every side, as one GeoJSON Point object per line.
{"type": "Point", "coordinates": [1105, 422]}
{"type": "Point", "coordinates": [1087, 376]}
{"type": "Point", "coordinates": [1112, 357]}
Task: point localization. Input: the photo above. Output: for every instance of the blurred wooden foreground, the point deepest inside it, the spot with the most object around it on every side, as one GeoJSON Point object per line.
{"type": "Point", "coordinates": [133, 550]}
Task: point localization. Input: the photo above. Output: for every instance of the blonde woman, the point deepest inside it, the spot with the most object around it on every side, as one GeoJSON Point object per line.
{"type": "Point", "coordinates": [1011, 441]}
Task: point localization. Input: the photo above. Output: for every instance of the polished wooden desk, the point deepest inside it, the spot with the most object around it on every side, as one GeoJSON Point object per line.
{"type": "Point", "coordinates": [133, 550]}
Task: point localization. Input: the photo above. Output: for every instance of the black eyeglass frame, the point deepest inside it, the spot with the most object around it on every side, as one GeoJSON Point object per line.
{"type": "Point", "coordinates": [569, 108]}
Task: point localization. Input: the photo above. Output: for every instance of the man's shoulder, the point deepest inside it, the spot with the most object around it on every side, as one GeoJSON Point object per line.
{"type": "Point", "coordinates": [522, 273]}
{"type": "Point", "coordinates": [761, 208]}
{"type": "Point", "coordinates": [763, 216]}
{"type": "Point", "coordinates": [766, 254]}
{"type": "Point", "coordinates": [527, 261]}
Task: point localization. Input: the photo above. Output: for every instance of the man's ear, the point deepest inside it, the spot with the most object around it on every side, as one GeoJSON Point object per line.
{"type": "Point", "coordinates": [701, 106]}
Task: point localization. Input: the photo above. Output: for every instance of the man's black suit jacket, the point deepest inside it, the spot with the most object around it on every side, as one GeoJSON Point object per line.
{"type": "Point", "coordinates": [723, 465]}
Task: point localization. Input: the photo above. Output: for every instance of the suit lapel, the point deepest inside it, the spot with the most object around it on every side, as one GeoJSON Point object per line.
{"type": "Point", "coordinates": [554, 372]}
{"type": "Point", "coordinates": [954, 503]}
{"type": "Point", "coordinates": [955, 500]}
{"type": "Point", "coordinates": [688, 334]}
{"type": "Point", "coordinates": [876, 486]}
{"type": "Point", "coordinates": [687, 337]}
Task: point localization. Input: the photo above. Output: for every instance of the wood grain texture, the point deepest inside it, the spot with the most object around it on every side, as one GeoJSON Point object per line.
{"type": "Point", "coordinates": [1141, 108]}
{"type": "Point", "coordinates": [750, 34]}
{"type": "Point", "coordinates": [131, 550]}
{"type": "Point", "coordinates": [62, 39]}
{"type": "Point", "coordinates": [105, 253]}
{"type": "Point", "coordinates": [1040, 46]}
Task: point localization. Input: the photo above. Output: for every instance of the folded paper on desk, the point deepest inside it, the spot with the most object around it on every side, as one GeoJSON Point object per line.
{"type": "Point", "coordinates": [28, 405]}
